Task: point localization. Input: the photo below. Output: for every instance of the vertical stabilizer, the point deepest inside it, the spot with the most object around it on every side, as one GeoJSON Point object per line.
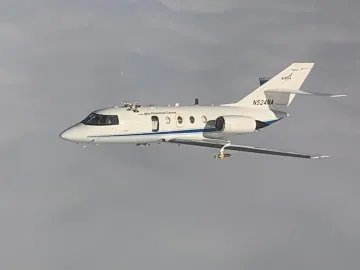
{"type": "Point", "coordinates": [289, 79]}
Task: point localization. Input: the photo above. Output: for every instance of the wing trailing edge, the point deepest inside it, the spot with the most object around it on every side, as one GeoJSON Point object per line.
{"type": "Point", "coordinates": [242, 148]}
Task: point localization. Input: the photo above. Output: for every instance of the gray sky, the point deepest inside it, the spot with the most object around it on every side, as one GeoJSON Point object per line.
{"type": "Point", "coordinates": [62, 206]}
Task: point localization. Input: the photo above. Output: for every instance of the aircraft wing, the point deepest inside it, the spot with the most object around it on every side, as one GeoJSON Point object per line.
{"type": "Point", "coordinates": [219, 144]}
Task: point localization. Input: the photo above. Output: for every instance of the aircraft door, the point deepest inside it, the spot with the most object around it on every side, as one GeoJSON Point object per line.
{"type": "Point", "coordinates": [155, 123]}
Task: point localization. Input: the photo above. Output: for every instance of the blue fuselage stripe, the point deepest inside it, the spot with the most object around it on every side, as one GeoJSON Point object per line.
{"type": "Point", "coordinates": [184, 131]}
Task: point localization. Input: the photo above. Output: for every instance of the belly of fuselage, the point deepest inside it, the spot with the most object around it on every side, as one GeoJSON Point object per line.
{"type": "Point", "coordinates": [154, 137]}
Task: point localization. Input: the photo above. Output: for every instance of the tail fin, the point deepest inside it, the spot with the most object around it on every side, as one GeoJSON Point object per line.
{"type": "Point", "coordinates": [279, 91]}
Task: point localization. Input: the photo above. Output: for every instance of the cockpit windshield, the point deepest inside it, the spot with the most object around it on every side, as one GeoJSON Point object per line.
{"type": "Point", "coordinates": [95, 119]}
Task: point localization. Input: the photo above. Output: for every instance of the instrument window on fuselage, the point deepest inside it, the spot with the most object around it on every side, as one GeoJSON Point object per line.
{"type": "Point", "coordinates": [167, 120]}
{"type": "Point", "coordinates": [192, 119]}
{"type": "Point", "coordinates": [95, 119]}
{"type": "Point", "coordinates": [179, 119]}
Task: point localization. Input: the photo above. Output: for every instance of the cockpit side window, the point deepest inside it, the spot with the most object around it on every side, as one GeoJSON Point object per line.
{"type": "Point", "coordinates": [95, 119]}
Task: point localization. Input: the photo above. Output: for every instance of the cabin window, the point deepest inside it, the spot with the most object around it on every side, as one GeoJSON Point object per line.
{"type": "Point", "coordinates": [203, 119]}
{"type": "Point", "coordinates": [192, 119]}
{"type": "Point", "coordinates": [155, 123]}
{"type": "Point", "coordinates": [167, 120]}
{"type": "Point", "coordinates": [95, 119]}
{"type": "Point", "coordinates": [180, 120]}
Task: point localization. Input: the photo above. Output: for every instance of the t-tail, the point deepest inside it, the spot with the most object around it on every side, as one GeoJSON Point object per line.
{"type": "Point", "coordinates": [278, 92]}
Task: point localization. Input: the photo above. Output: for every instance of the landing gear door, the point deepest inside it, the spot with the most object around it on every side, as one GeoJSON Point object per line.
{"type": "Point", "coordinates": [155, 123]}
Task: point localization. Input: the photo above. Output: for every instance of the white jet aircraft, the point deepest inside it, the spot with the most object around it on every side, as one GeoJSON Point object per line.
{"type": "Point", "coordinates": [207, 126]}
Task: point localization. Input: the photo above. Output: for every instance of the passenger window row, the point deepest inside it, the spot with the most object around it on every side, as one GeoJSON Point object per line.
{"type": "Point", "coordinates": [180, 119]}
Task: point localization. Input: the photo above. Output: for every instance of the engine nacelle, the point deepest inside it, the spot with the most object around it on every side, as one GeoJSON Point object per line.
{"type": "Point", "coordinates": [235, 124]}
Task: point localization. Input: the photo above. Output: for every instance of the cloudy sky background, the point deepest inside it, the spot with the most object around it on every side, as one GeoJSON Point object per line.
{"type": "Point", "coordinates": [163, 207]}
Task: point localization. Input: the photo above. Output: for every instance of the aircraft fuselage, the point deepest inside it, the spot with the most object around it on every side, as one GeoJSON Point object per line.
{"type": "Point", "coordinates": [150, 124]}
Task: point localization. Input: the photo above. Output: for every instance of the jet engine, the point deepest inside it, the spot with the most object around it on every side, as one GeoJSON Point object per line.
{"type": "Point", "coordinates": [235, 124]}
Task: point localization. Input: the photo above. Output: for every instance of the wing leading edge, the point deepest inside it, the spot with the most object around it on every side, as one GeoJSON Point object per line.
{"type": "Point", "coordinates": [243, 148]}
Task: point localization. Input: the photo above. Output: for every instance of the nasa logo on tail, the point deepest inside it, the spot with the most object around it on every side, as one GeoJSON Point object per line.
{"type": "Point", "coordinates": [287, 77]}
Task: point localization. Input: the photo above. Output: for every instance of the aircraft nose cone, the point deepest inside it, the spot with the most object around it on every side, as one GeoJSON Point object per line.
{"type": "Point", "coordinates": [75, 133]}
{"type": "Point", "coordinates": [67, 135]}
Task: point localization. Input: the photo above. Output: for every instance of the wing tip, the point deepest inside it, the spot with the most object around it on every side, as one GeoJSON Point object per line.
{"type": "Point", "coordinates": [319, 157]}
{"type": "Point", "coordinates": [336, 96]}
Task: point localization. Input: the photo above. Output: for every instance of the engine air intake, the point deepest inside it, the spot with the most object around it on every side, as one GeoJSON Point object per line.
{"type": "Point", "coordinates": [235, 124]}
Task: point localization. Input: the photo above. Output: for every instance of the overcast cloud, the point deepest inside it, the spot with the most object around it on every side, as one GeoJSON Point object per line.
{"type": "Point", "coordinates": [163, 207]}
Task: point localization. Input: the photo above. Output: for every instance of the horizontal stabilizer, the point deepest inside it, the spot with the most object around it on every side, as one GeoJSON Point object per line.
{"type": "Point", "coordinates": [218, 144]}
{"type": "Point", "coordinates": [300, 92]}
